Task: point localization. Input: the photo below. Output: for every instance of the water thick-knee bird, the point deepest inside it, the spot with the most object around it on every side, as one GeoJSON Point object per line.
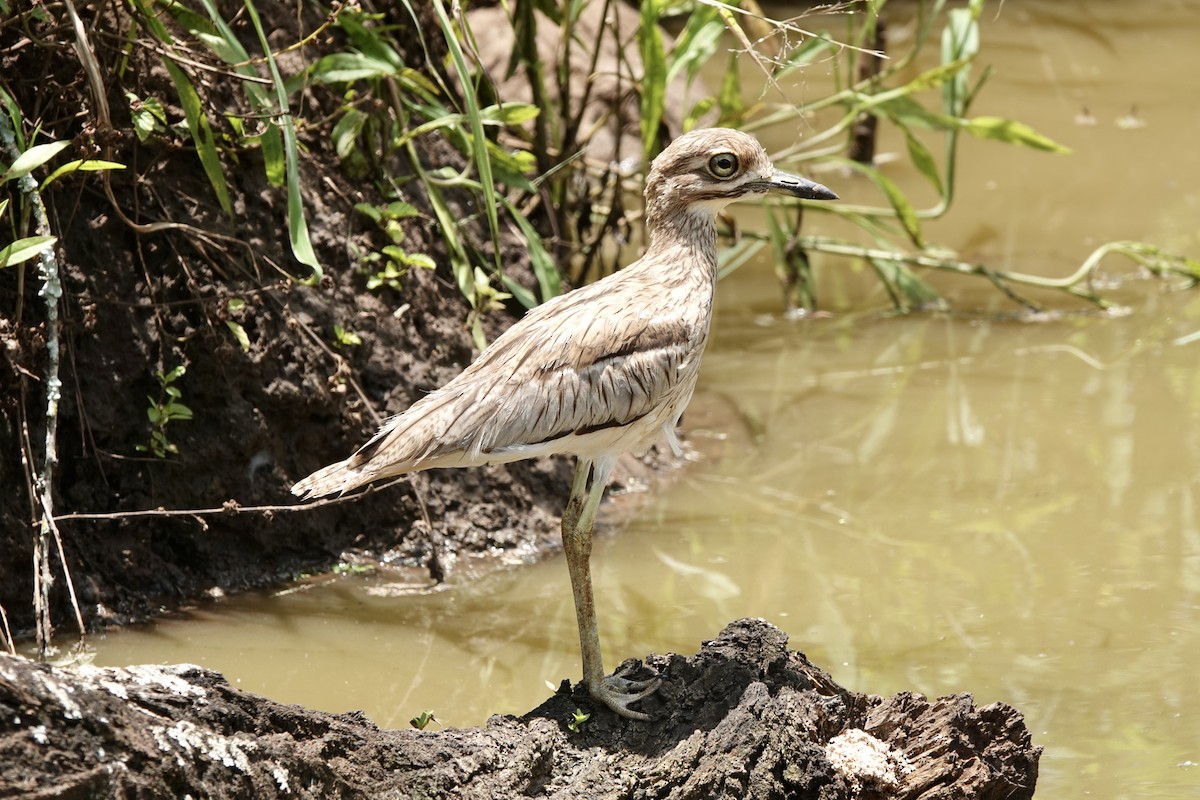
{"type": "Point", "coordinates": [602, 370]}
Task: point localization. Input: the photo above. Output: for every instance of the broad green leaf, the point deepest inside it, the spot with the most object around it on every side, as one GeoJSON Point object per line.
{"type": "Point", "coordinates": [33, 158]}
{"type": "Point", "coordinates": [24, 249]}
{"type": "Point", "coordinates": [1013, 132]}
{"type": "Point", "coordinates": [178, 411]}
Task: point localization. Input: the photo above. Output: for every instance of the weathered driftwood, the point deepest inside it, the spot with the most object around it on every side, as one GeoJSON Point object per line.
{"type": "Point", "coordinates": [743, 718]}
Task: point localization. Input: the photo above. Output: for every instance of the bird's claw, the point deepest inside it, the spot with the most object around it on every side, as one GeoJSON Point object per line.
{"type": "Point", "coordinates": [618, 693]}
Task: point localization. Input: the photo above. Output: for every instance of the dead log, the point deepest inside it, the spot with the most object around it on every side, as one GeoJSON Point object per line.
{"type": "Point", "coordinates": [743, 718]}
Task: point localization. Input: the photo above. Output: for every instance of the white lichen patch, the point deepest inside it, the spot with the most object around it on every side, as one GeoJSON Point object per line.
{"type": "Point", "coordinates": [60, 693]}
{"type": "Point", "coordinates": [865, 761]}
{"type": "Point", "coordinates": [185, 739]}
{"type": "Point", "coordinates": [118, 680]}
{"type": "Point", "coordinates": [281, 776]}
{"type": "Point", "coordinates": [38, 732]}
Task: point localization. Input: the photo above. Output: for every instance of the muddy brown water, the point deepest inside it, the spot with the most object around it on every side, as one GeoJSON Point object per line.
{"type": "Point", "coordinates": [943, 504]}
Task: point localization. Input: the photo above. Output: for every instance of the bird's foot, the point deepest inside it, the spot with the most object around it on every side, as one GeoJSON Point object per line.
{"type": "Point", "coordinates": [618, 693]}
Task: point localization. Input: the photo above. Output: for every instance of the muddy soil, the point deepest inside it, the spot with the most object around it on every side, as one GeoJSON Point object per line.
{"type": "Point", "coordinates": [744, 718]}
{"type": "Point", "coordinates": [135, 302]}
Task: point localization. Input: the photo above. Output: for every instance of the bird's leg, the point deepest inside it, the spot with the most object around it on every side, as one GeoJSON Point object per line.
{"type": "Point", "coordinates": [578, 520]}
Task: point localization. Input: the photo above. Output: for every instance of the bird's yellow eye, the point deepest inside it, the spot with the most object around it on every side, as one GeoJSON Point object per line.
{"type": "Point", "coordinates": [723, 165]}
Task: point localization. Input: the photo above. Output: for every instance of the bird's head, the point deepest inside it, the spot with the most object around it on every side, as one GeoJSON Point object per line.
{"type": "Point", "coordinates": [705, 170]}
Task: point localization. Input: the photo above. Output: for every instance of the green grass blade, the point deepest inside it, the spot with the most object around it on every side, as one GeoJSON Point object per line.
{"type": "Point", "coordinates": [654, 78]}
{"type": "Point", "coordinates": [1012, 132]}
{"type": "Point", "coordinates": [193, 113]}
{"type": "Point", "coordinates": [297, 224]}
{"type": "Point", "coordinates": [903, 208]}
{"type": "Point", "coordinates": [479, 151]}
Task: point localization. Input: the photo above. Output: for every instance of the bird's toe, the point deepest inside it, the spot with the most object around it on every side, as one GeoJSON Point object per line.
{"type": "Point", "coordinates": [618, 693]}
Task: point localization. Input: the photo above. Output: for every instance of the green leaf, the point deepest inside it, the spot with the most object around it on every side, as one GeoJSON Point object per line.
{"type": "Point", "coordinates": [730, 98]}
{"type": "Point", "coordinates": [923, 160]}
{"type": "Point", "coordinates": [544, 268]}
{"type": "Point", "coordinates": [297, 224]}
{"type": "Point", "coordinates": [419, 260]}
{"type": "Point", "coordinates": [202, 135]}
{"type": "Point", "coordinates": [173, 375]}
{"type": "Point", "coordinates": [937, 75]}
{"type": "Point", "coordinates": [398, 209]}
{"type": "Point", "coordinates": [239, 333]}
{"type": "Point", "coordinates": [350, 67]}
{"type": "Point", "coordinates": [274, 155]}
{"type": "Point", "coordinates": [905, 212]}
{"type": "Point", "coordinates": [178, 411]}
{"type": "Point", "coordinates": [916, 292]}
{"type": "Point", "coordinates": [509, 113]}
{"type": "Point", "coordinates": [654, 77]}
{"type": "Point", "coordinates": [905, 110]}
{"type": "Point", "coordinates": [346, 132]}
{"type": "Point", "coordinates": [33, 158]}
{"type": "Point", "coordinates": [1013, 132]}
{"type": "Point", "coordinates": [342, 336]}
{"type": "Point", "coordinates": [24, 249]}
{"type": "Point", "coordinates": [90, 165]}
{"type": "Point", "coordinates": [698, 42]}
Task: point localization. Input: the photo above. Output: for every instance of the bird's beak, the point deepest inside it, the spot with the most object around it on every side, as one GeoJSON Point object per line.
{"type": "Point", "coordinates": [796, 186]}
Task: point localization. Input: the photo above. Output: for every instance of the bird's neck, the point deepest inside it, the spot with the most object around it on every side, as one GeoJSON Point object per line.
{"type": "Point", "coordinates": [685, 239]}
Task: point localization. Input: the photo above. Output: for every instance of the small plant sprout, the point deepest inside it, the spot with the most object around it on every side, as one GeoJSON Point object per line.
{"type": "Point", "coordinates": [162, 411]}
{"type": "Point", "coordinates": [421, 720]}
{"type": "Point", "coordinates": [235, 305]}
{"type": "Point", "coordinates": [388, 266]}
{"type": "Point", "coordinates": [577, 719]}
{"type": "Point", "coordinates": [345, 338]}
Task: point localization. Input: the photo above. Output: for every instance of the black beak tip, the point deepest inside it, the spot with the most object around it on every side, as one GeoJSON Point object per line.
{"type": "Point", "coordinates": [820, 192]}
{"type": "Point", "coordinates": [801, 187]}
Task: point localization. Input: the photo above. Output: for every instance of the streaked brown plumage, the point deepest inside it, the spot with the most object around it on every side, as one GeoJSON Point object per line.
{"type": "Point", "coordinates": [597, 372]}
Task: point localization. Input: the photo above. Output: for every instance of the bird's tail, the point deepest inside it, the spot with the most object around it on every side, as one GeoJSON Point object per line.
{"type": "Point", "coordinates": [337, 478]}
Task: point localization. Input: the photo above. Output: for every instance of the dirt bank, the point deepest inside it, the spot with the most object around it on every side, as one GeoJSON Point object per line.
{"type": "Point", "coordinates": [744, 718]}
{"type": "Point", "coordinates": [265, 411]}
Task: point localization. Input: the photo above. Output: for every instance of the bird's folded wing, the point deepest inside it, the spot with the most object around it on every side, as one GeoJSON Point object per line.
{"type": "Point", "coordinates": [562, 375]}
